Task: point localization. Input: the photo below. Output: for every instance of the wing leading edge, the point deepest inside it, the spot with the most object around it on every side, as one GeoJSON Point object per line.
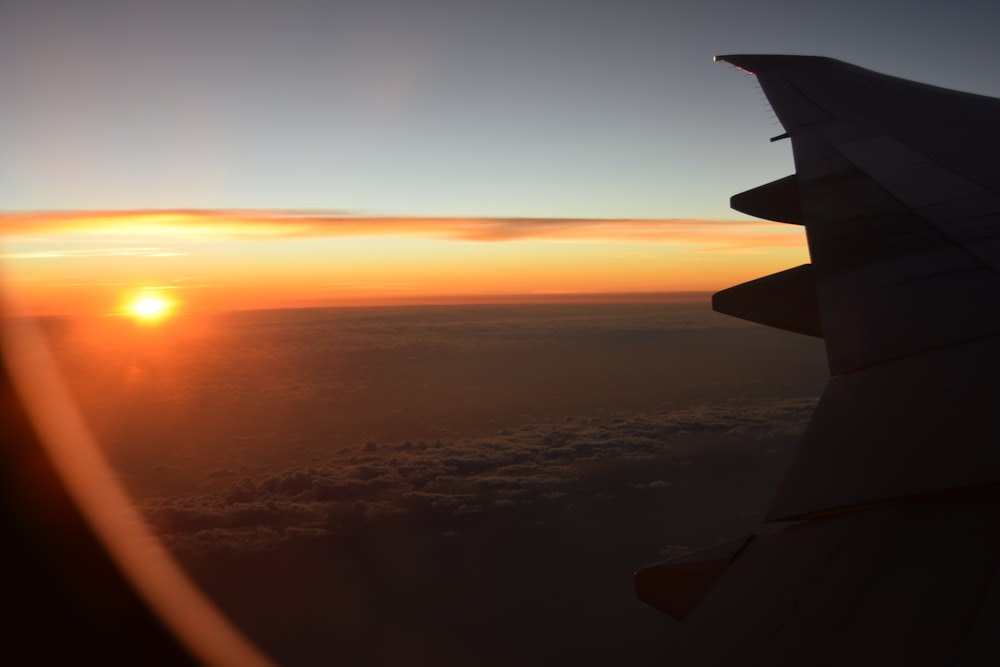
{"type": "Point", "coordinates": [896, 479]}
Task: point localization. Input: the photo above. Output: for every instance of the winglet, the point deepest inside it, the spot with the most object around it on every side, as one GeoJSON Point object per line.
{"type": "Point", "coordinates": [755, 63]}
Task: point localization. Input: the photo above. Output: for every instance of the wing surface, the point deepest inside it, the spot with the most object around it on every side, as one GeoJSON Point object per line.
{"type": "Point", "coordinates": [898, 187]}
{"type": "Point", "coordinates": [880, 544]}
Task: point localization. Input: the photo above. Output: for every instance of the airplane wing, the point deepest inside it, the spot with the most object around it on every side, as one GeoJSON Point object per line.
{"type": "Point", "coordinates": [891, 554]}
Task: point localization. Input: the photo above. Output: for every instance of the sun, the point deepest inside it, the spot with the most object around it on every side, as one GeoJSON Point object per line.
{"type": "Point", "coordinates": [149, 308]}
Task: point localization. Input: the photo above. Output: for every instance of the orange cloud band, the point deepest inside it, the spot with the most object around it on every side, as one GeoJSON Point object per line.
{"type": "Point", "coordinates": [704, 235]}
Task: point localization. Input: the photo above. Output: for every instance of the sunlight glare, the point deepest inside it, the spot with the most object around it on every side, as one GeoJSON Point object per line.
{"type": "Point", "coordinates": [149, 308]}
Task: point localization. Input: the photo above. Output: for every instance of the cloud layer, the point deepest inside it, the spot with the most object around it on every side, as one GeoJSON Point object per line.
{"type": "Point", "coordinates": [448, 486]}
{"type": "Point", "coordinates": [565, 466]}
{"type": "Point", "coordinates": [703, 235]}
{"type": "Point", "coordinates": [512, 548]}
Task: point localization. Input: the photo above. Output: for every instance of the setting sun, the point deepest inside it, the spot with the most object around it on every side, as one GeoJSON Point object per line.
{"type": "Point", "coordinates": [149, 308]}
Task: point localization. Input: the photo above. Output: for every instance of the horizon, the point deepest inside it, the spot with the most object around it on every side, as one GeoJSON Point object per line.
{"type": "Point", "coordinates": [444, 301]}
{"type": "Point", "coordinates": [430, 149]}
{"type": "Point", "coordinates": [92, 263]}
{"type": "Point", "coordinates": [394, 152]}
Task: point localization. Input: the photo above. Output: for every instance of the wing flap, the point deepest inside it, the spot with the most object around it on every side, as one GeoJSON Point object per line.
{"type": "Point", "coordinates": [675, 586]}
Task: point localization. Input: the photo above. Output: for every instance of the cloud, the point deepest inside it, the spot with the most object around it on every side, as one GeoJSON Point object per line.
{"type": "Point", "coordinates": [565, 466]}
{"type": "Point", "coordinates": [355, 285]}
{"type": "Point", "coordinates": [697, 235]}
{"type": "Point", "coordinates": [93, 252]}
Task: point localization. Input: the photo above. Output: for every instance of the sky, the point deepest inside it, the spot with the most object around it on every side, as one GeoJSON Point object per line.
{"type": "Point", "coordinates": [248, 154]}
{"type": "Point", "coordinates": [577, 111]}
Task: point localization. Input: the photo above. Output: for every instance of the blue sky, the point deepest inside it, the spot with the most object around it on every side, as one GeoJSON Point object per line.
{"type": "Point", "coordinates": [441, 108]}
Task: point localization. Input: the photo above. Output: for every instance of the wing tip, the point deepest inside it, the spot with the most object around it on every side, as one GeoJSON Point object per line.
{"type": "Point", "coordinates": [755, 63]}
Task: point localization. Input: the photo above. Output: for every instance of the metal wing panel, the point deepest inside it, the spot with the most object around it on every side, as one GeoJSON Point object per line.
{"type": "Point", "coordinates": [880, 183]}
{"type": "Point", "coordinates": [895, 557]}
{"type": "Point", "coordinates": [899, 192]}
{"type": "Point", "coordinates": [919, 424]}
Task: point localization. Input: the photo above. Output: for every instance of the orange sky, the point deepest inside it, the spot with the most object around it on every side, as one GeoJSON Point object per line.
{"type": "Point", "coordinates": [89, 263]}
